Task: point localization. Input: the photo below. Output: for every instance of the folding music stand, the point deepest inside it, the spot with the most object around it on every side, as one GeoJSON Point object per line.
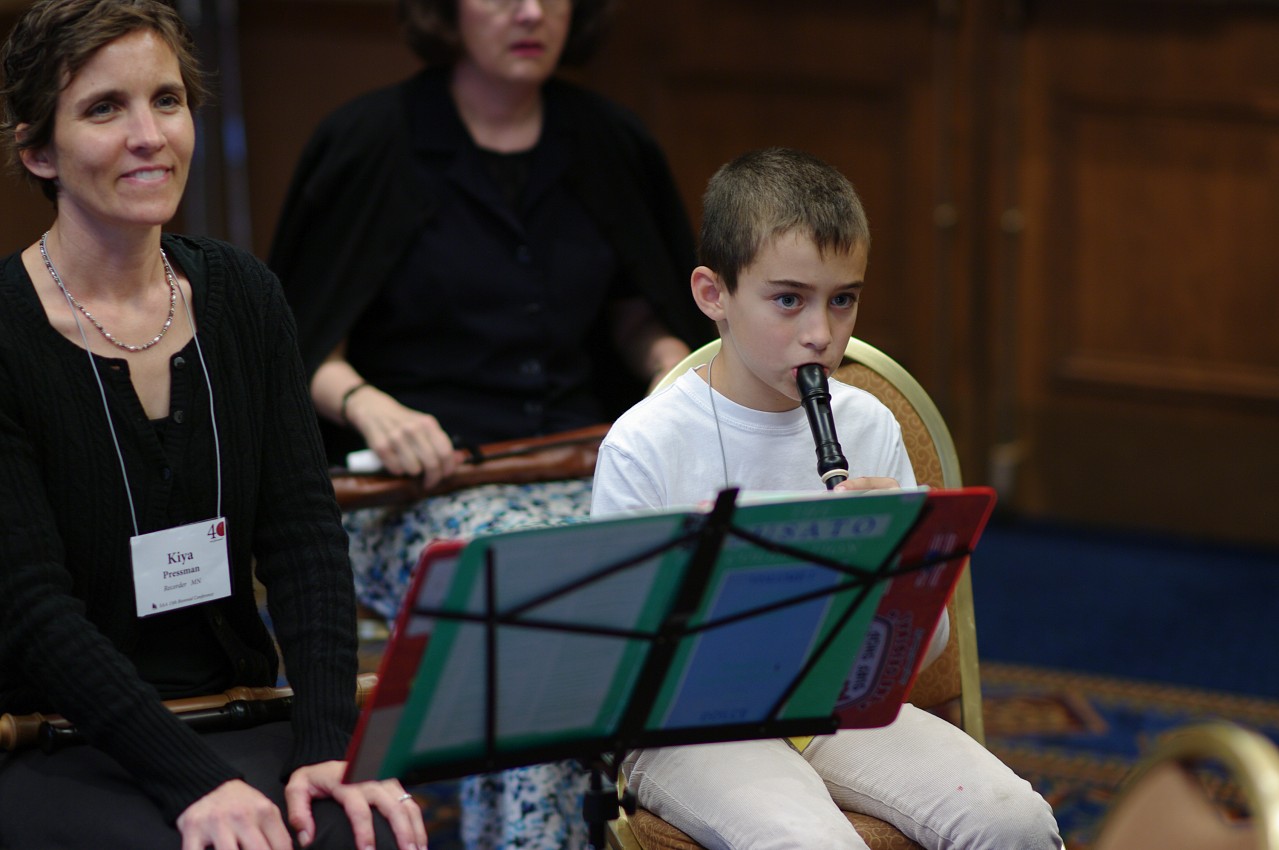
{"type": "Point", "coordinates": [741, 622]}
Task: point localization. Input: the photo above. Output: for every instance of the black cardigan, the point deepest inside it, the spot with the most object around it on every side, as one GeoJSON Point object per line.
{"type": "Point", "coordinates": [353, 208]}
{"type": "Point", "coordinates": [67, 617]}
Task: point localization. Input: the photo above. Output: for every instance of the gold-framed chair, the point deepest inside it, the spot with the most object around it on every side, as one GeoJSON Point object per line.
{"type": "Point", "coordinates": [951, 686]}
{"type": "Point", "coordinates": [1163, 803]}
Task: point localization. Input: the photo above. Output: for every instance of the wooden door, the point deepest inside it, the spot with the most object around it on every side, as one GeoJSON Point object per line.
{"type": "Point", "coordinates": [1144, 285]}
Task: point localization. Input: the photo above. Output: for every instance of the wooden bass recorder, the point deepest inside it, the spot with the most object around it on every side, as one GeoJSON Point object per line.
{"type": "Point", "coordinates": [236, 708]}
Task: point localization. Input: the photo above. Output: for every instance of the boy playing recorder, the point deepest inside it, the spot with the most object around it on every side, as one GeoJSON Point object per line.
{"type": "Point", "coordinates": [784, 251]}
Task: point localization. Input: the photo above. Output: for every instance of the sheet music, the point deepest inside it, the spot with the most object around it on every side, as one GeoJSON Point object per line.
{"type": "Point", "coordinates": [722, 684]}
{"type": "Point", "coordinates": [552, 684]}
{"type": "Point", "coordinates": [737, 673]}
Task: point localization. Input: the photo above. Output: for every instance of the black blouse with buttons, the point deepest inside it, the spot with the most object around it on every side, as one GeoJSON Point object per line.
{"type": "Point", "coordinates": [488, 321]}
{"type": "Point", "coordinates": [179, 652]}
{"type": "Point", "coordinates": [473, 285]}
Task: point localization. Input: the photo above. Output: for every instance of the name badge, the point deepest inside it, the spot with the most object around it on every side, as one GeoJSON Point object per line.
{"type": "Point", "coordinates": [179, 567]}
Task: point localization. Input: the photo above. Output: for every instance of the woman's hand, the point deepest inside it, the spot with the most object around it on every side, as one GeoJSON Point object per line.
{"type": "Point", "coordinates": [324, 780]}
{"type": "Point", "coordinates": [407, 441]}
{"type": "Point", "coordinates": [232, 816]}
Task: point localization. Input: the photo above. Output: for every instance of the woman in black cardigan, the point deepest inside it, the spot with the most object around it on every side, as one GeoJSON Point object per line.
{"type": "Point", "coordinates": [148, 473]}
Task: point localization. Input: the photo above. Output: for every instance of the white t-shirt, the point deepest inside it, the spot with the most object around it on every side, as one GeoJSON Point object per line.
{"type": "Point", "coordinates": [665, 452]}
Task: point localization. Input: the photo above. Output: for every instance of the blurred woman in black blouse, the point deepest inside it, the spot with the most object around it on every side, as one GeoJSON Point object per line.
{"type": "Point", "coordinates": [483, 252]}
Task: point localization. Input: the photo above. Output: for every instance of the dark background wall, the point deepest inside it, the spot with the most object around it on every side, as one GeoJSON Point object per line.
{"type": "Point", "coordinates": [1073, 201]}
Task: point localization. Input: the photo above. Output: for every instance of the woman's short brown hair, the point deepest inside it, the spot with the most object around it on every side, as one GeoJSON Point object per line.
{"type": "Point", "coordinates": [430, 28]}
{"type": "Point", "coordinates": [49, 45]}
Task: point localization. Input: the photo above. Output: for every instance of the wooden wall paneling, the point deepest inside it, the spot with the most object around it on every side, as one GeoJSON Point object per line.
{"type": "Point", "coordinates": [24, 212]}
{"type": "Point", "coordinates": [301, 59]}
{"type": "Point", "coordinates": [997, 37]}
{"type": "Point", "coordinates": [954, 313]}
{"type": "Point", "coordinates": [1149, 362]}
{"type": "Point", "coordinates": [966, 79]}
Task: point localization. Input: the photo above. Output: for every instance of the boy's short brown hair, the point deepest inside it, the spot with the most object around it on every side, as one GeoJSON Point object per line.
{"type": "Point", "coordinates": [767, 193]}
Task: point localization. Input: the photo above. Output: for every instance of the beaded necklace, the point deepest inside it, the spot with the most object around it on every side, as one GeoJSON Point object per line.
{"type": "Point", "coordinates": [168, 322]}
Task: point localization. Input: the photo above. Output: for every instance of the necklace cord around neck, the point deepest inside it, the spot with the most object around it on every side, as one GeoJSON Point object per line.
{"type": "Point", "coordinates": [719, 434]}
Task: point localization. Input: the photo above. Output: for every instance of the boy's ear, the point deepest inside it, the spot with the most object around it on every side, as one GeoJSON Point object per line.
{"type": "Point", "coordinates": [35, 160]}
{"type": "Point", "coordinates": [709, 292]}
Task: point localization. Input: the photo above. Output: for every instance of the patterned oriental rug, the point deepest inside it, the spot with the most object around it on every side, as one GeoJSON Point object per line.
{"type": "Point", "coordinates": [1075, 736]}
{"type": "Point", "coordinates": [1072, 736]}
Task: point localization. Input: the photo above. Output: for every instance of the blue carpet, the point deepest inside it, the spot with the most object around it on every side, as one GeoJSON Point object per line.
{"type": "Point", "coordinates": [1130, 605]}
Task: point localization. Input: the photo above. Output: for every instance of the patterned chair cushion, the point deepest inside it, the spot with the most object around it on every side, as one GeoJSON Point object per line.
{"type": "Point", "coordinates": [919, 443]}
{"type": "Point", "coordinates": [656, 834]}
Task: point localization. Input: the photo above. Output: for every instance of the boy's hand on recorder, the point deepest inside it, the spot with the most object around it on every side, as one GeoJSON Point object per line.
{"type": "Point", "coordinates": [867, 484]}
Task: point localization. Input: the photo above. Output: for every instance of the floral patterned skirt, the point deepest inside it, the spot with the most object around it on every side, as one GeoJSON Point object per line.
{"type": "Point", "coordinates": [537, 807]}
